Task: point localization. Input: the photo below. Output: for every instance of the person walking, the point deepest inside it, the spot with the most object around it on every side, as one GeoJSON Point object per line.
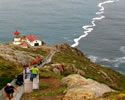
{"type": "Point", "coordinates": [27, 71]}
{"type": "Point", "coordinates": [9, 90]}
{"type": "Point", "coordinates": [34, 72]}
{"type": "Point", "coordinates": [19, 79]}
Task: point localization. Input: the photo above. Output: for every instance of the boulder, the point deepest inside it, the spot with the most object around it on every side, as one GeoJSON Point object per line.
{"type": "Point", "coordinates": [79, 87]}
{"type": "Point", "coordinates": [12, 55]}
{"type": "Point", "coordinates": [79, 94]}
{"type": "Point", "coordinates": [74, 80]}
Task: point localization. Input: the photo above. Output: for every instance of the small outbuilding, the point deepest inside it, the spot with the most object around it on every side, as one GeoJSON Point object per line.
{"type": "Point", "coordinates": [32, 40]}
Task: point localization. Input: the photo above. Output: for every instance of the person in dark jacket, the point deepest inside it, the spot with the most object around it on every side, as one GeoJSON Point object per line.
{"type": "Point", "coordinates": [19, 79]}
{"type": "Point", "coordinates": [9, 90]}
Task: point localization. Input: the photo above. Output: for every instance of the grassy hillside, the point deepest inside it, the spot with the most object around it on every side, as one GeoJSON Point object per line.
{"type": "Point", "coordinates": [8, 71]}
{"type": "Point", "coordinates": [99, 73]}
{"type": "Point", "coordinates": [50, 83]}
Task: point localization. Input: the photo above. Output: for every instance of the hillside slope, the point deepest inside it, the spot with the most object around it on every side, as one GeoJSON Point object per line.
{"type": "Point", "coordinates": [12, 59]}
{"type": "Point", "coordinates": [74, 57]}
{"type": "Point", "coordinates": [67, 61]}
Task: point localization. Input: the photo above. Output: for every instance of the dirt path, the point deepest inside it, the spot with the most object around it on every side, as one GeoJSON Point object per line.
{"type": "Point", "coordinates": [50, 89]}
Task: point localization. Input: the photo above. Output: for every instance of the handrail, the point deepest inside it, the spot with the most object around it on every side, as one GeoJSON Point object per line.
{"type": "Point", "coordinates": [47, 59]}
{"type": "Point", "coordinates": [20, 89]}
{"type": "Point", "coordinates": [17, 95]}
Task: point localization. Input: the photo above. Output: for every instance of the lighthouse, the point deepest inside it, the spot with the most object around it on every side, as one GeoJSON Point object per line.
{"type": "Point", "coordinates": [17, 38]}
{"type": "Point", "coordinates": [26, 41]}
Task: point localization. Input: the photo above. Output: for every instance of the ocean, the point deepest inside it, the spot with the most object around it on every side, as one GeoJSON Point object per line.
{"type": "Point", "coordinates": [96, 27]}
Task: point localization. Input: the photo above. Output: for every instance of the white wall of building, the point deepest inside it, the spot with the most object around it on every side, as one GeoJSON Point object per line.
{"type": "Point", "coordinates": [17, 41]}
{"type": "Point", "coordinates": [33, 42]}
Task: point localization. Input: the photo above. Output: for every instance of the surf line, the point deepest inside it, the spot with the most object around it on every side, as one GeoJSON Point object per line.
{"type": "Point", "coordinates": [89, 28]}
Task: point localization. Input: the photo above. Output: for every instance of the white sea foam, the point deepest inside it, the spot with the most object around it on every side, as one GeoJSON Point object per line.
{"type": "Point", "coordinates": [93, 58]}
{"type": "Point", "coordinates": [98, 59]}
{"type": "Point", "coordinates": [115, 62]}
{"type": "Point", "coordinates": [89, 28]}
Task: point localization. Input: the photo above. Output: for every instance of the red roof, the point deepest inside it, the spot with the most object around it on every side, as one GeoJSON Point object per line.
{"type": "Point", "coordinates": [31, 38]}
{"type": "Point", "coordinates": [16, 33]}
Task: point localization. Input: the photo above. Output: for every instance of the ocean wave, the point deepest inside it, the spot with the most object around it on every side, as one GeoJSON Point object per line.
{"type": "Point", "coordinates": [98, 59]}
{"type": "Point", "coordinates": [89, 28]}
{"type": "Point", "coordinates": [114, 62]}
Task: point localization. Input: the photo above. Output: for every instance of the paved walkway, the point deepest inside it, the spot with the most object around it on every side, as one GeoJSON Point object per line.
{"type": "Point", "coordinates": [20, 90]}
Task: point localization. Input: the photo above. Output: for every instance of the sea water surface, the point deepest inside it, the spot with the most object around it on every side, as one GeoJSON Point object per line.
{"type": "Point", "coordinates": [105, 44]}
{"type": "Point", "coordinates": [94, 26]}
{"type": "Point", "coordinates": [55, 21]}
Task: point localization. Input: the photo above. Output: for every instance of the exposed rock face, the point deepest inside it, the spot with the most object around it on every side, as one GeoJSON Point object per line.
{"type": "Point", "coordinates": [60, 68]}
{"type": "Point", "coordinates": [56, 71]}
{"type": "Point", "coordinates": [79, 94]}
{"type": "Point", "coordinates": [21, 57]}
{"type": "Point", "coordinates": [80, 87]}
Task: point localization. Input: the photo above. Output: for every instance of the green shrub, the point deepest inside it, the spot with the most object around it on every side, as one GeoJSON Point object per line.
{"type": "Point", "coordinates": [4, 81]}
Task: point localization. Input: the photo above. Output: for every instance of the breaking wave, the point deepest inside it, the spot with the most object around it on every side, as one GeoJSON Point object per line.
{"type": "Point", "coordinates": [89, 28]}
{"type": "Point", "coordinates": [116, 62]}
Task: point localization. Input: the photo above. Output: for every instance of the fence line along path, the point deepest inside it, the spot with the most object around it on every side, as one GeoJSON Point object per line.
{"type": "Point", "coordinates": [35, 84]}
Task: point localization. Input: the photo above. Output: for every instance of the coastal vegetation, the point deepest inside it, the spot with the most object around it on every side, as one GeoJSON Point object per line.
{"type": "Point", "coordinates": [10, 66]}
{"type": "Point", "coordinates": [66, 61]}
{"type": "Point", "coordinates": [8, 71]}
{"type": "Point", "coordinates": [91, 70]}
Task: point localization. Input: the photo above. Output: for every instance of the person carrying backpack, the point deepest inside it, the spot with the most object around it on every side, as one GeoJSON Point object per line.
{"type": "Point", "coordinates": [9, 90]}
{"type": "Point", "coordinates": [34, 72]}
{"type": "Point", "coordinates": [19, 79]}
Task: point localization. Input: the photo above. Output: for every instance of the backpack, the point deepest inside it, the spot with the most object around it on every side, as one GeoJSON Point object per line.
{"type": "Point", "coordinates": [9, 89]}
{"type": "Point", "coordinates": [19, 82]}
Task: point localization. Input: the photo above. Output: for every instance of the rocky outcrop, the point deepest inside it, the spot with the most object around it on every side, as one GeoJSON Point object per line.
{"type": "Point", "coordinates": [79, 94]}
{"type": "Point", "coordinates": [16, 56]}
{"type": "Point", "coordinates": [80, 88]}
{"type": "Point", "coordinates": [61, 68]}
{"type": "Point", "coordinates": [65, 46]}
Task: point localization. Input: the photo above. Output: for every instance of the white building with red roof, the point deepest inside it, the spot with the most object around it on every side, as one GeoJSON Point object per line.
{"type": "Point", "coordinates": [26, 41]}
{"type": "Point", "coordinates": [33, 40]}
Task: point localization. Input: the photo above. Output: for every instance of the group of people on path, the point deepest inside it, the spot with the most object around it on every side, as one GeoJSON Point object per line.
{"type": "Point", "coordinates": [30, 73]}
